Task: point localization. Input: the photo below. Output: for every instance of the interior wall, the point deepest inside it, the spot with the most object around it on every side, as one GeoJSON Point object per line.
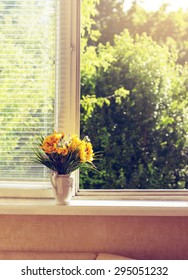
{"type": "Point", "coordinates": [136, 237]}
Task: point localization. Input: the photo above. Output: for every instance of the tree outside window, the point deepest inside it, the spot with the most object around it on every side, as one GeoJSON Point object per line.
{"type": "Point", "coordinates": [134, 95]}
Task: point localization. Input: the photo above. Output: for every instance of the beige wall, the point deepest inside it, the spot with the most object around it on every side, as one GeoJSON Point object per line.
{"type": "Point", "coordinates": [136, 237]}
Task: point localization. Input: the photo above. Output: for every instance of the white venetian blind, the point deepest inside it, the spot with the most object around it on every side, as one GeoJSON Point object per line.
{"type": "Point", "coordinates": [27, 83]}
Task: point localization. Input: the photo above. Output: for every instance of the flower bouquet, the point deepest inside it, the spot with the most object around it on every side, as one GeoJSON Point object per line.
{"type": "Point", "coordinates": [63, 155]}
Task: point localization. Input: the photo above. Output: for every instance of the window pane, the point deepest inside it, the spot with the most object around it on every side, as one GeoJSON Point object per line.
{"type": "Point", "coordinates": [134, 94]}
{"type": "Point", "coordinates": [27, 53]}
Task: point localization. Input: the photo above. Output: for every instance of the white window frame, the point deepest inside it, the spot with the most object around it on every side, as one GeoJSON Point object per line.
{"type": "Point", "coordinates": [69, 16]}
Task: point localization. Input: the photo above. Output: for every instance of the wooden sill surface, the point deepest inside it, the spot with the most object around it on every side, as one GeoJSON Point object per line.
{"type": "Point", "coordinates": [17, 206]}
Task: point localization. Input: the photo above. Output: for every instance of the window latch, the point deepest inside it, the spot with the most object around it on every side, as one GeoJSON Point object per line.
{"type": "Point", "coordinates": [72, 48]}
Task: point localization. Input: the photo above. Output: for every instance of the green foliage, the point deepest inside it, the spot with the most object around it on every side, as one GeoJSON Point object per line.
{"type": "Point", "coordinates": [108, 20]}
{"type": "Point", "coordinates": [135, 113]}
{"type": "Point", "coordinates": [166, 27]}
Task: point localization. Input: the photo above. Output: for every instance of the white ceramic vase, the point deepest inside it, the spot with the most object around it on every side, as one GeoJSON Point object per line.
{"type": "Point", "coordinates": [62, 188]}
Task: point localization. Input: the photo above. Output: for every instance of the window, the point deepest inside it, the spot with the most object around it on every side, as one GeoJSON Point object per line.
{"type": "Point", "coordinates": [134, 95]}
{"type": "Point", "coordinates": [40, 73]}
{"type": "Point", "coordinates": [38, 81]}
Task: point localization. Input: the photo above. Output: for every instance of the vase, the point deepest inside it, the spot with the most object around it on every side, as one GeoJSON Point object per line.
{"type": "Point", "coordinates": [62, 188]}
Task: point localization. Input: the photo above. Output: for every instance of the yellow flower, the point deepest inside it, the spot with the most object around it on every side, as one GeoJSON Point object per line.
{"type": "Point", "coordinates": [85, 151]}
{"type": "Point", "coordinates": [74, 143]}
{"type": "Point", "coordinates": [58, 136]}
{"type": "Point", "coordinates": [89, 152]}
{"type": "Point", "coordinates": [82, 152]}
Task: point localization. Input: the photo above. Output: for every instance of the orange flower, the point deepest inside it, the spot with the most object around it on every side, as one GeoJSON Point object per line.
{"type": "Point", "coordinates": [50, 142]}
{"type": "Point", "coordinates": [49, 148]}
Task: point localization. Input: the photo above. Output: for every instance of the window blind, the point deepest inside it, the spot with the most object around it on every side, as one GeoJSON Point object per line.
{"type": "Point", "coordinates": [27, 83]}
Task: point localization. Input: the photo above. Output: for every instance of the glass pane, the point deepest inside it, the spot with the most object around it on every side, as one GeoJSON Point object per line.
{"type": "Point", "coordinates": [27, 46]}
{"type": "Point", "coordinates": [134, 93]}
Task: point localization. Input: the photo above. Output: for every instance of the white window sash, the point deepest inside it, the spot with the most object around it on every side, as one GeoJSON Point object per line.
{"type": "Point", "coordinates": [67, 106]}
{"type": "Point", "coordinates": [68, 68]}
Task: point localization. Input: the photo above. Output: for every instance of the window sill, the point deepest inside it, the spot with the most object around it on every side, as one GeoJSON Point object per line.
{"type": "Point", "coordinates": [14, 206]}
